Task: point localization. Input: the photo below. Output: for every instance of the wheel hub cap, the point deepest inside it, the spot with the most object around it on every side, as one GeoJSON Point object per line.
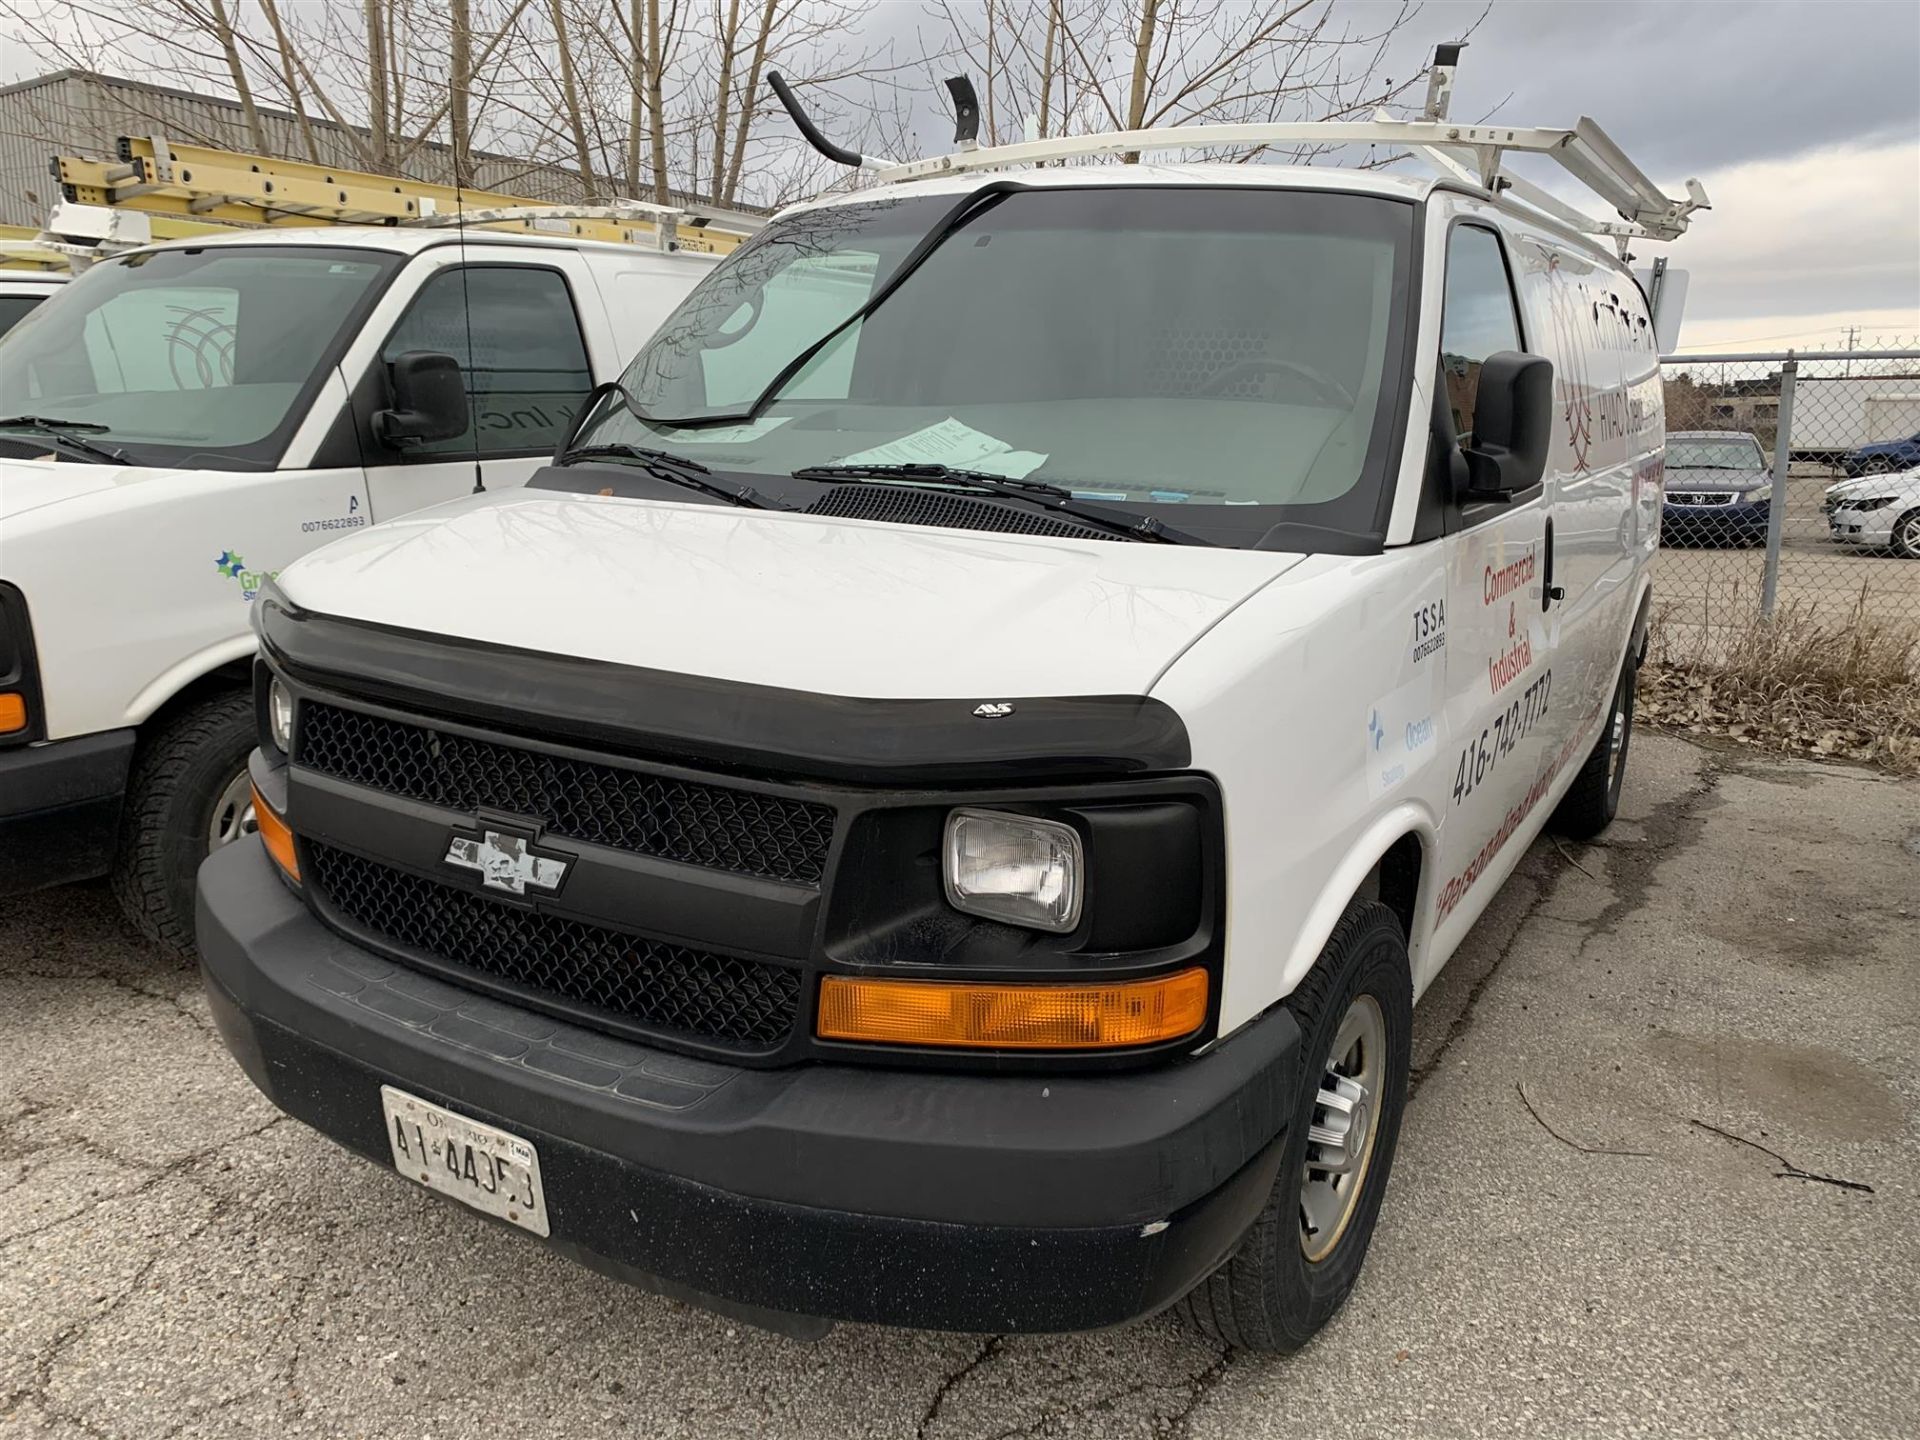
{"type": "Point", "coordinates": [233, 813]}
{"type": "Point", "coordinates": [1341, 1133]}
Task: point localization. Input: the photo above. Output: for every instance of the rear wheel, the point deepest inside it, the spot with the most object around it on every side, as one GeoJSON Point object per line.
{"type": "Point", "coordinates": [1906, 535]}
{"type": "Point", "coordinates": [189, 796]}
{"type": "Point", "coordinates": [1594, 799]}
{"type": "Point", "coordinates": [1295, 1266]}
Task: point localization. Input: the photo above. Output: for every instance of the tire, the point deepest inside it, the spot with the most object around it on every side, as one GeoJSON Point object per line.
{"type": "Point", "coordinates": [181, 774]}
{"type": "Point", "coordinates": [1269, 1295]}
{"type": "Point", "coordinates": [1906, 535]}
{"type": "Point", "coordinates": [1594, 799]}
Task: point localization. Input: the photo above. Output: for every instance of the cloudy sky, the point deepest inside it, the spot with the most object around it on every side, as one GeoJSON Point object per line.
{"type": "Point", "coordinates": [1801, 117]}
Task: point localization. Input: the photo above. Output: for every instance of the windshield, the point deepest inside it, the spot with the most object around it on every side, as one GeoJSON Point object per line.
{"type": "Point", "coordinates": [1205, 349]}
{"type": "Point", "coordinates": [1703, 452]}
{"type": "Point", "coordinates": [188, 356]}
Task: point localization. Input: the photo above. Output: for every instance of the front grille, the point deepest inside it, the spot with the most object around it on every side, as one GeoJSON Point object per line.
{"type": "Point", "coordinates": [1710, 497]}
{"type": "Point", "coordinates": [903, 506]}
{"type": "Point", "coordinates": [740, 831]}
{"type": "Point", "coordinates": [648, 983]}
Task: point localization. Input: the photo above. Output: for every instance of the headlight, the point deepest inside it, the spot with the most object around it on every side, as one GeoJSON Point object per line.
{"type": "Point", "coordinates": [1757, 494]}
{"type": "Point", "coordinates": [280, 716]}
{"type": "Point", "coordinates": [1014, 868]}
{"type": "Point", "coordinates": [1880, 504]}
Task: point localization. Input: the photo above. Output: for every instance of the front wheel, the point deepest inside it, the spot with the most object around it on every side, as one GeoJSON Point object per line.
{"type": "Point", "coordinates": [189, 796]}
{"type": "Point", "coordinates": [1294, 1268]}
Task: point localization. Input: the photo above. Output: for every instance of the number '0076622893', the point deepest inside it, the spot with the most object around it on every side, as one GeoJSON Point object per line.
{"type": "Point", "coordinates": [1481, 755]}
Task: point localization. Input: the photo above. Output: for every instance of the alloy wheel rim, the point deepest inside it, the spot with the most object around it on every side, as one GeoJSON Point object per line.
{"type": "Point", "coordinates": [233, 815]}
{"type": "Point", "coordinates": [1341, 1134]}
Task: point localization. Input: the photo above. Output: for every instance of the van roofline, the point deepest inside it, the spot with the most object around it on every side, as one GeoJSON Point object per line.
{"type": "Point", "coordinates": [1412, 189]}
{"type": "Point", "coordinates": [1474, 154]}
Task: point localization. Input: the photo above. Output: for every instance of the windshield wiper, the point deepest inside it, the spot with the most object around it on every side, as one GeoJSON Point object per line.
{"type": "Point", "coordinates": [676, 470]}
{"type": "Point", "coordinates": [1038, 492]}
{"type": "Point", "coordinates": [964, 210]}
{"type": "Point", "coordinates": [63, 431]}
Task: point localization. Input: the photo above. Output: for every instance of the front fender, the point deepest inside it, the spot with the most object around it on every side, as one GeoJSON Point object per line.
{"type": "Point", "coordinates": [178, 676]}
{"type": "Point", "coordinates": [1344, 881]}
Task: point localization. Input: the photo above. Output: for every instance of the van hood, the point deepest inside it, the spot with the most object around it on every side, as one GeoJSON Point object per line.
{"type": "Point", "coordinates": [30, 484]}
{"type": "Point", "coordinates": [840, 607]}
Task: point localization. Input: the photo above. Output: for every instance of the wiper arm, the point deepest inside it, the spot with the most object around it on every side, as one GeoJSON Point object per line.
{"type": "Point", "coordinates": [1037, 492]}
{"type": "Point", "coordinates": [63, 431]}
{"type": "Point", "coordinates": [967, 206]}
{"type": "Point", "coordinates": [677, 470]}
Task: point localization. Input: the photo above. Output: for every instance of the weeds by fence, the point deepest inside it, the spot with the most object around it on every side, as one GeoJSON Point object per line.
{"type": "Point", "coordinates": [1789, 575]}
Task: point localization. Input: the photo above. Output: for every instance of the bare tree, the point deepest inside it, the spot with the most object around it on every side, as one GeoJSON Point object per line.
{"type": "Point", "coordinates": [460, 90]}
{"type": "Point", "coordinates": [1062, 66]}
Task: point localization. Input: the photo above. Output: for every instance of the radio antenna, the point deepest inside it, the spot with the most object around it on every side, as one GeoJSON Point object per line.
{"type": "Point", "coordinates": [466, 310]}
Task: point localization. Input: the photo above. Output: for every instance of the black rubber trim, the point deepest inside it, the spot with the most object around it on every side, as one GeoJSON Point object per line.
{"type": "Point", "coordinates": [19, 666]}
{"type": "Point", "coordinates": [725, 722]}
{"type": "Point", "coordinates": [60, 809]}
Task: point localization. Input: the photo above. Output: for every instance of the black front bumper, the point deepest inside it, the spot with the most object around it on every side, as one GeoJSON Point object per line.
{"type": "Point", "coordinates": [60, 809]}
{"type": "Point", "coordinates": [942, 1201]}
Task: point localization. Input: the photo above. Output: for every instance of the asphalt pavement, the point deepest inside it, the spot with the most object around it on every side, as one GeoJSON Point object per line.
{"type": "Point", "coordinates": [1660, 1175]}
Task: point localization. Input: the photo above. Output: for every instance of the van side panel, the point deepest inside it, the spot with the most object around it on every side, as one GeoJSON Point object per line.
{"type": "Point", "coordinates": [1593, 323]}
{"type": "Point", "coordinates": [1317, 740]}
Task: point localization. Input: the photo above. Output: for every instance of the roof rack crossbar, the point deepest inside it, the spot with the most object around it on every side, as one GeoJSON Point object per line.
{"type": "Point", "coordinates": [1466, 152]}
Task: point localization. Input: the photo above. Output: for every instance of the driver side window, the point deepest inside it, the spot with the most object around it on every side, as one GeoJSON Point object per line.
{"type": "Point", "coordinates": [513, 330]}
{"type": "Point", "coordinates": [1478, 318]}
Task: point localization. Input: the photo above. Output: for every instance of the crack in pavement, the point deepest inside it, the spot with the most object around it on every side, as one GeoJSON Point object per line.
{"type": "Point", "coordinates": [1200, 1389]}
{"type": "Point", "coordinates": [48, 1356]}
{"type": "Point", "coordinates": [122, 983]}
{"type": "Point", "coordinates": [932, 1412]}
{"type": "Point", "coordinates": [1197, 1386]}
{"type": "Point", "coordinates": [156, 1175]}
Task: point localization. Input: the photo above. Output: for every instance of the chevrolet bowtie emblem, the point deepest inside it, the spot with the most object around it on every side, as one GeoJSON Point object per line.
{"type": "Point", "coordinates": [506, 862]}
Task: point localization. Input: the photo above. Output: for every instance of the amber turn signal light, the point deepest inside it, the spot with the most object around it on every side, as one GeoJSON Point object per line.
{"type": "Point", "coordinates": [276, 836]}
{"type": "Point", "coordinates": [13, 713]}
{"type": "Point", "coordinates": [1012, 1017]}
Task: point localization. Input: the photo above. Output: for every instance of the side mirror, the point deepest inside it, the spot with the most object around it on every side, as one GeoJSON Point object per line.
{"type": "Point", "coordinates": [429, 401]}
{"type": "Point", "coordinates": [1512, 426]}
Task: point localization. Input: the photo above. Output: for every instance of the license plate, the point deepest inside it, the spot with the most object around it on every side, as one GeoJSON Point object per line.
{"type": "Point", "coordinates": [478, 1165]}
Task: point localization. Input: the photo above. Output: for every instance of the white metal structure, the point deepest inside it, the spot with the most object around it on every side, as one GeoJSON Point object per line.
{"type": "Point", "coordinates": [1471, 152]}
{"type": "Point", "coordinates": [236, 408]}
{"type": "Point", "coordinates": [1388, 699]}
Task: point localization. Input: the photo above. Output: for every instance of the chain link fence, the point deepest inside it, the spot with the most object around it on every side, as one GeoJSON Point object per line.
{"type": "Point", "coordinates": [1792, 486]}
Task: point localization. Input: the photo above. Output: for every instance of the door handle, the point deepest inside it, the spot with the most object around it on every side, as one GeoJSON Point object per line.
{"type": "Point", "coordinates": [1549, 592]}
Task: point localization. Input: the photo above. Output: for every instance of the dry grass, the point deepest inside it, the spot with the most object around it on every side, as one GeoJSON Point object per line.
{"type": "Point", "coordinates": [1848, 689]}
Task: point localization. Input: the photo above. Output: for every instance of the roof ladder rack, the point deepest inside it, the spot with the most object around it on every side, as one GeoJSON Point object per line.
{"type": "Point", "coordinates": [196, 183]}
{"type": "Point", "coordinates": [1472, 154]}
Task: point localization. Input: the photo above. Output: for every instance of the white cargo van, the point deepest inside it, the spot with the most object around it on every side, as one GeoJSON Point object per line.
{"type": "Point", "coordinates": [183, 420]}
{"type": "Point", "coordinates": [937, 810]}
